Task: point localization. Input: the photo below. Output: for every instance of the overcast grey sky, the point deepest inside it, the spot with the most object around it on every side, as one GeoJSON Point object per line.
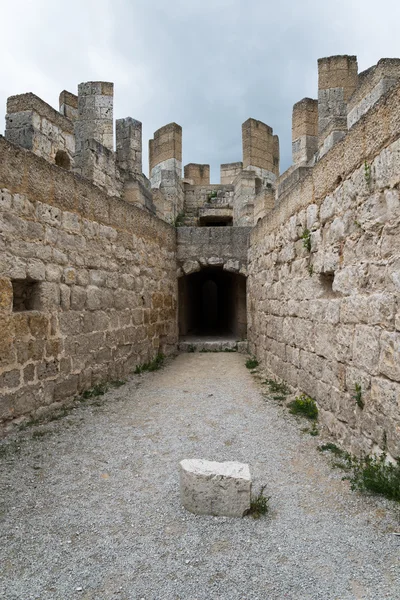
{"type": "Point", "coordinates": [205, 64]}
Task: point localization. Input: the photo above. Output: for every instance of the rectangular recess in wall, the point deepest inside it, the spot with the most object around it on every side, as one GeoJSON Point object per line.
{"type": "Point", "coordinates": [326, 281]}
{"type": "Point", "coordinates": [25, 294]}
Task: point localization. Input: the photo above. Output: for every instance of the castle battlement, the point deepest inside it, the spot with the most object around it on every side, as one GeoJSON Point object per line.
{"type": "Point", "coordinates": [80, 137]}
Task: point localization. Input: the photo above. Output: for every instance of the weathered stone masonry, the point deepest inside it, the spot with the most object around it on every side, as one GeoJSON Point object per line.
{"type": "Point", "coordinates": [327, 319]}
{"type": "Point", "coordinates": [103, 274]}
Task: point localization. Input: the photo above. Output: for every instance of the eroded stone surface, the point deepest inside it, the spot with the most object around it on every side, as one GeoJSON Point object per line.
{"type": "Point", "coordinates": [214, 488]}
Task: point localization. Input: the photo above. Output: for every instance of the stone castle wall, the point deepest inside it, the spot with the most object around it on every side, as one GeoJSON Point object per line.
{"type": "Point", "coordinates": [206, 199]}
{"type": "Point", "coordinates": [324, 283]}
{"type": "Point", "coordinates": [199, 247]}
{"type": "Point", "coordinates": [36, 126]}
{"type": "Point", "coordinates": [90, 262]}
{"type": "Point", "coordinates": [88, 285]}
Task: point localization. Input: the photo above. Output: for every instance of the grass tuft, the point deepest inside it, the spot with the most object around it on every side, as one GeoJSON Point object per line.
{"type": "Point", "coordinates": [259, 504]}
{"type": "Point", "coordinates": [306, 237]}
{"type": "Point", "coordinates": [117, 383]}
{"type": "Point", "coordinates": [252, 363]}
{"type": "Point", "coordinates": [313, 430]}
{"type": "Point", "coordinates": [178, 222]}
{"type": "Point", "coordinates": [40, 433]}
{"type": "Point", "coordinates": [357, 396]}
{"type": "Point", "coordinates": [278, 390]}
{"type": "Point", "coordinates": [151, 366]}
{"type": "Point", "coordinates": [305, 406]}
{"type": "Point", "coordinates": [374, 474]}
{"type": "Point", "coordinates": [330, 447]}
{"type": "Point", "coordinates": [97, 390]}
{"type": "Point", "coordinates": [368, 474]}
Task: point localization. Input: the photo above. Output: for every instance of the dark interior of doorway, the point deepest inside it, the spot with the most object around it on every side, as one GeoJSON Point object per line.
{"type": "Point", "coordinates": [212, 302]}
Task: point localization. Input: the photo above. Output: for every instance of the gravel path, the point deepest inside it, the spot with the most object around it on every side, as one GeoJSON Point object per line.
{"type": "Point", "coordinates": [90, 504]}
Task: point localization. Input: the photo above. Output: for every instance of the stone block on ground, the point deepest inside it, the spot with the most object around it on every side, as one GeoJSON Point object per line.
{"type": "Point", "coordinates": [243, 347]}
{"type": "Point", "coordinates": [214, 488]}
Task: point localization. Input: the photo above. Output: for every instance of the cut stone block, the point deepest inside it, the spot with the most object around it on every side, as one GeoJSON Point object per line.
{"type": "Point", "coordinates": [243, 347]}
{"type": "Point", "coordinates": [213, 488]}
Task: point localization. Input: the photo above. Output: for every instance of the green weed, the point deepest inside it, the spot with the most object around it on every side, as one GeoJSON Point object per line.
{"type": "Point", "coordinates": [330, 447]}
{"type": "Point", "coordinates": [252, 363]}
{"type": "Point", "coordinates": [367, 172]}
{"type": "Point", "coordinates": [98, 390]}
{"type": "Point", "coordinates": [374, 474]}
{"type": "Point", "coordinates": [117, 383]}
{"type": "Point", "coordinates": [357, 396]}
{"type": "Point", "coordinates": [30, 423]}
{"type": "Point", "coordinates": [314, 431]}
{"type": "Point", "coordinates": [306, 237]}
{"type": "Point", "coordinates": [279, 391]}
{"type": "Point", "coordinates": [369, 473]}
{"type": "Point", "coordinates": [276, 387]}
{"type": "Point", "coordinates": [305, 406]}
{"type": "Point", "coordinates": [179, 219]}
{"type": "Point", "coordinates": [259, 504]}
{"type": "Point", "coordinates": [153, 365]}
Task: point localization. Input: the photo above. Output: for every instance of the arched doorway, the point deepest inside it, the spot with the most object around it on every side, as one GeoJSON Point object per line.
{"type": "Point", "coordinates": [212, 302]}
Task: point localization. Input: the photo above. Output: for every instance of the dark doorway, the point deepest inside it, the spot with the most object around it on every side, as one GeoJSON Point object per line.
{"type": "Point", "coordinates": [212, 302]}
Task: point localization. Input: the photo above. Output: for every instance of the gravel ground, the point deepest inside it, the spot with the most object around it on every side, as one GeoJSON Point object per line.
{"type": "Point", "coordinates": [90, 504]}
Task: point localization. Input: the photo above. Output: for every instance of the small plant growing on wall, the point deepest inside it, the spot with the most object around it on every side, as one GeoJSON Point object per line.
{"type": "Point", "coordinates": [211, 195]}
{"type": "Point", "coordinates": [358, 395]}
{"type": "Point", "coordinates": [306, 237]}
{"type": "Point", "coordinates": [367, 172]}
{"type": "Point", "coordinates": [179, 219]}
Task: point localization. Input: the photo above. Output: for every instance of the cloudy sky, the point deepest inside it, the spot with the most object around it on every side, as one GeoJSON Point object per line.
{"type": "Point", "coordinates": [205, 64]}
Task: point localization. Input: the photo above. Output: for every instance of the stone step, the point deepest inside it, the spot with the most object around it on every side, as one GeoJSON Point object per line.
{"type": "Point", "coordinates": [188, 222]}
{"type": "Point", "coordinates": [205, 345]}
